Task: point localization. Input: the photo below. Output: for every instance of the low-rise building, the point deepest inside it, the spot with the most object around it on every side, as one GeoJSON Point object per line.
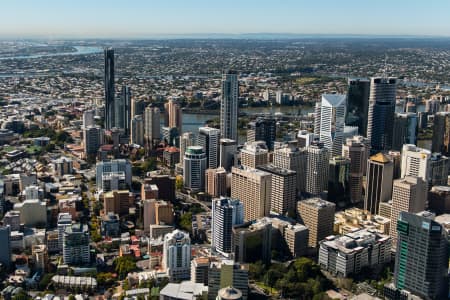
{"type": "Point", "coordinates": [354, 219]}
{"type": "Point", "coordinates": [348, 254]}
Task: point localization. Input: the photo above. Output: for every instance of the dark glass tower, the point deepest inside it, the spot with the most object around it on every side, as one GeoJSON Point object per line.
{"type": "Point", "coordinates": [381, 113]}
{"type": "Point", "coordinates": [122, 109]}
{"type": "Point", "coordinates": [229, 106]}
{"type": "Point", "coordinates": [263, 129]}
{"type": "Point", "coordinates": [109, 88]}
{"type": "Point", "coordinates": [358, 104]}
{"type": "Point", "coordinates": [421, 261]}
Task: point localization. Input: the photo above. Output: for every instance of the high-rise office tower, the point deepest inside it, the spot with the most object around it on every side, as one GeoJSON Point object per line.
{"type": "Point", "coordinates": [421, 262]}
{"type": "Point", "coordinates": [252, 241]}
{"type": "Point", "coordinates": [439, 165]}
{"type": "Point", "coordinates": [216, 182]}
{"type": "Point", "coordinates": [122, 110]}
{"type": "Point", "coordinates": [152, 124]}
{"type": "Point", "coordinates": [338, 180]}
{"type": "Point", "coordinates": [405, 130]}
{"type": "Point", "coordinates": [137, 130]}
{"type": "Point", "coordinates": [187, 139]}
{"type": "Point", "coordinates": [76, 249]}
{"type": "Point", "coordinates": [229, 105]}
{"type": "Point", "coordinates": [262, 129]}
{"type": "Point", "coordinates": [358, 104]}
{"type": "Point", "coordinates": [357, 150]}
{"type": "Point", "coordinates": [441, 133]}
{"type": "Point", "coordinates": [439, 199]}
{"type": "Point", "coordinates": [416, 162]}
{"type": "Point", "coordinates": [380, 171]}
{"type": "Point", "coordinates": [92, 139]}
{"type": "Point", "coordinates": [408, 195]}
{"type": "Point", "coordinates": [332, 122]}
{"type": "Point", "coordinates": [5, 246]}
{"type": "Point", "coordinates": [254, 188]}
{"type": "Point", "coordinates": [109, 88]}
{"type": "Point", "coordinates": [226, 212]}
{"type": "Point", "coordinates": [208, 139]}
{"type": "Point", "coordinates": [194, 167]}
{"type": "Point", "coordinates": [254, 154]}
{"type": "Point", "coordinates": [177, 255]}
{"type": "Point", "coordinates": [318, 215]}
{"type": "Point", "coordinates": [227, 149]}
{"type": "Point", "coordinates": [317, 158]}
{"type": "Point", "coordinates": [381, 113]}
{"type": "Point", "coordinates": [173, 115]}
{"type": "Point", "coordinates": [294, 159]}
{"type": "Point", "coordinates": [284, 192]}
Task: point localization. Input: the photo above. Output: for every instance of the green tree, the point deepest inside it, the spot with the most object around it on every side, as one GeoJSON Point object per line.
{"type": "Point", "coordinates": [186, 221]}
{"type": "Point", "coordinates": [124, 265]}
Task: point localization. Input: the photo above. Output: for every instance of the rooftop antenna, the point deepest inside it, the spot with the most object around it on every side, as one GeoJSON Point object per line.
{"type": "Point", "coordinates": [385, 65]}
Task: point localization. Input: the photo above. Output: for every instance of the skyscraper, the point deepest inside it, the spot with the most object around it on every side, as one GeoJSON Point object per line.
{"type": "Point", "coordinates": [254, 188]}
{"type": "Point", "coordinates": [208, 139]}
{"type": "Point", "coordinates": [227, 149]}
{"type": "Point", "coordinates": [92, 139]}
{"type": "Point", "coordinates": [358, 104]}
{"type": "Point", "coordinates": [356, 149]}
{"type": "Point", "coordinates": [226, 212]}
{"type": "Point", "coordinates": [76, 249]}
{"type": "Point", "coordinates": [173, 115]}
{"type": "Point", "coordinates": [229, 105]}
{"type": "Point", "coordinates": [109, 88]}
{"type": "Point", "coordinates": [262, 129]}
{"type": "Point", "coordinates": [441, 133]}
{"type": "Point", "coordinates": [216, 182]}
{"type": "Point", "coordinates": [332, 122]}
{"type": "Point", "coordinates": [294, 159]}
{"type": "Point", "coordinates": [416, 162]}
{"type": "Point", "coordinates": [408, 195]}
{"type": "Point", "coordinates": [186, 140]}
{"type": "Point", "coordinates": [254, 154]}
{"type": "Point", "coordinates": [316, 168]}
{"type": "Point", "coordinates": [152, 124]}
{"type": "Point", "coordinates": [122, 110]}
{"type": "Point", "coordinates": [405, 130]}
{"type": "Point", "coordinates": [421, 262]}
{"type": "Point", "coordinates": [137, 130]}
{"type": "Point", "coordinates": [439, 169]}
{"type": "Point", "coordinates": [177, 255]}
{"type": "Point", "coordinates": [194, 167]}
{"type": "Point", "coordinates": [318, 215]}
{"type": "Point", "coordinates": [380, 171]}
{"type": "Point", "coordinates": [5, 246]}
{"type": "Point", "coordinates": [381, 113]}
{"type": "Point", "coordinates": [284, 192]}
{"type": "Point", "coordinates": [338, 180]}
{"type": "Point", "coordinates": [227, 273]}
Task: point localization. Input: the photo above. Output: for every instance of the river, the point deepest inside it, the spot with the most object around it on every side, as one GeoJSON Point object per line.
{"type": "Point", "coordinates": [80, 50]}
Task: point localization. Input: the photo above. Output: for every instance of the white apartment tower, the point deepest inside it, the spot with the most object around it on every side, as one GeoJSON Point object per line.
{"type": "Point", "coordinates": [177, 255]}
{"type": "Point", "coordinates": [226, 212]}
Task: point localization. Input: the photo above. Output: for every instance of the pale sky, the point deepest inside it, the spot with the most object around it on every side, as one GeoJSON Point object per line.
{"type": "Point", "coordinates": [144, 18]}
